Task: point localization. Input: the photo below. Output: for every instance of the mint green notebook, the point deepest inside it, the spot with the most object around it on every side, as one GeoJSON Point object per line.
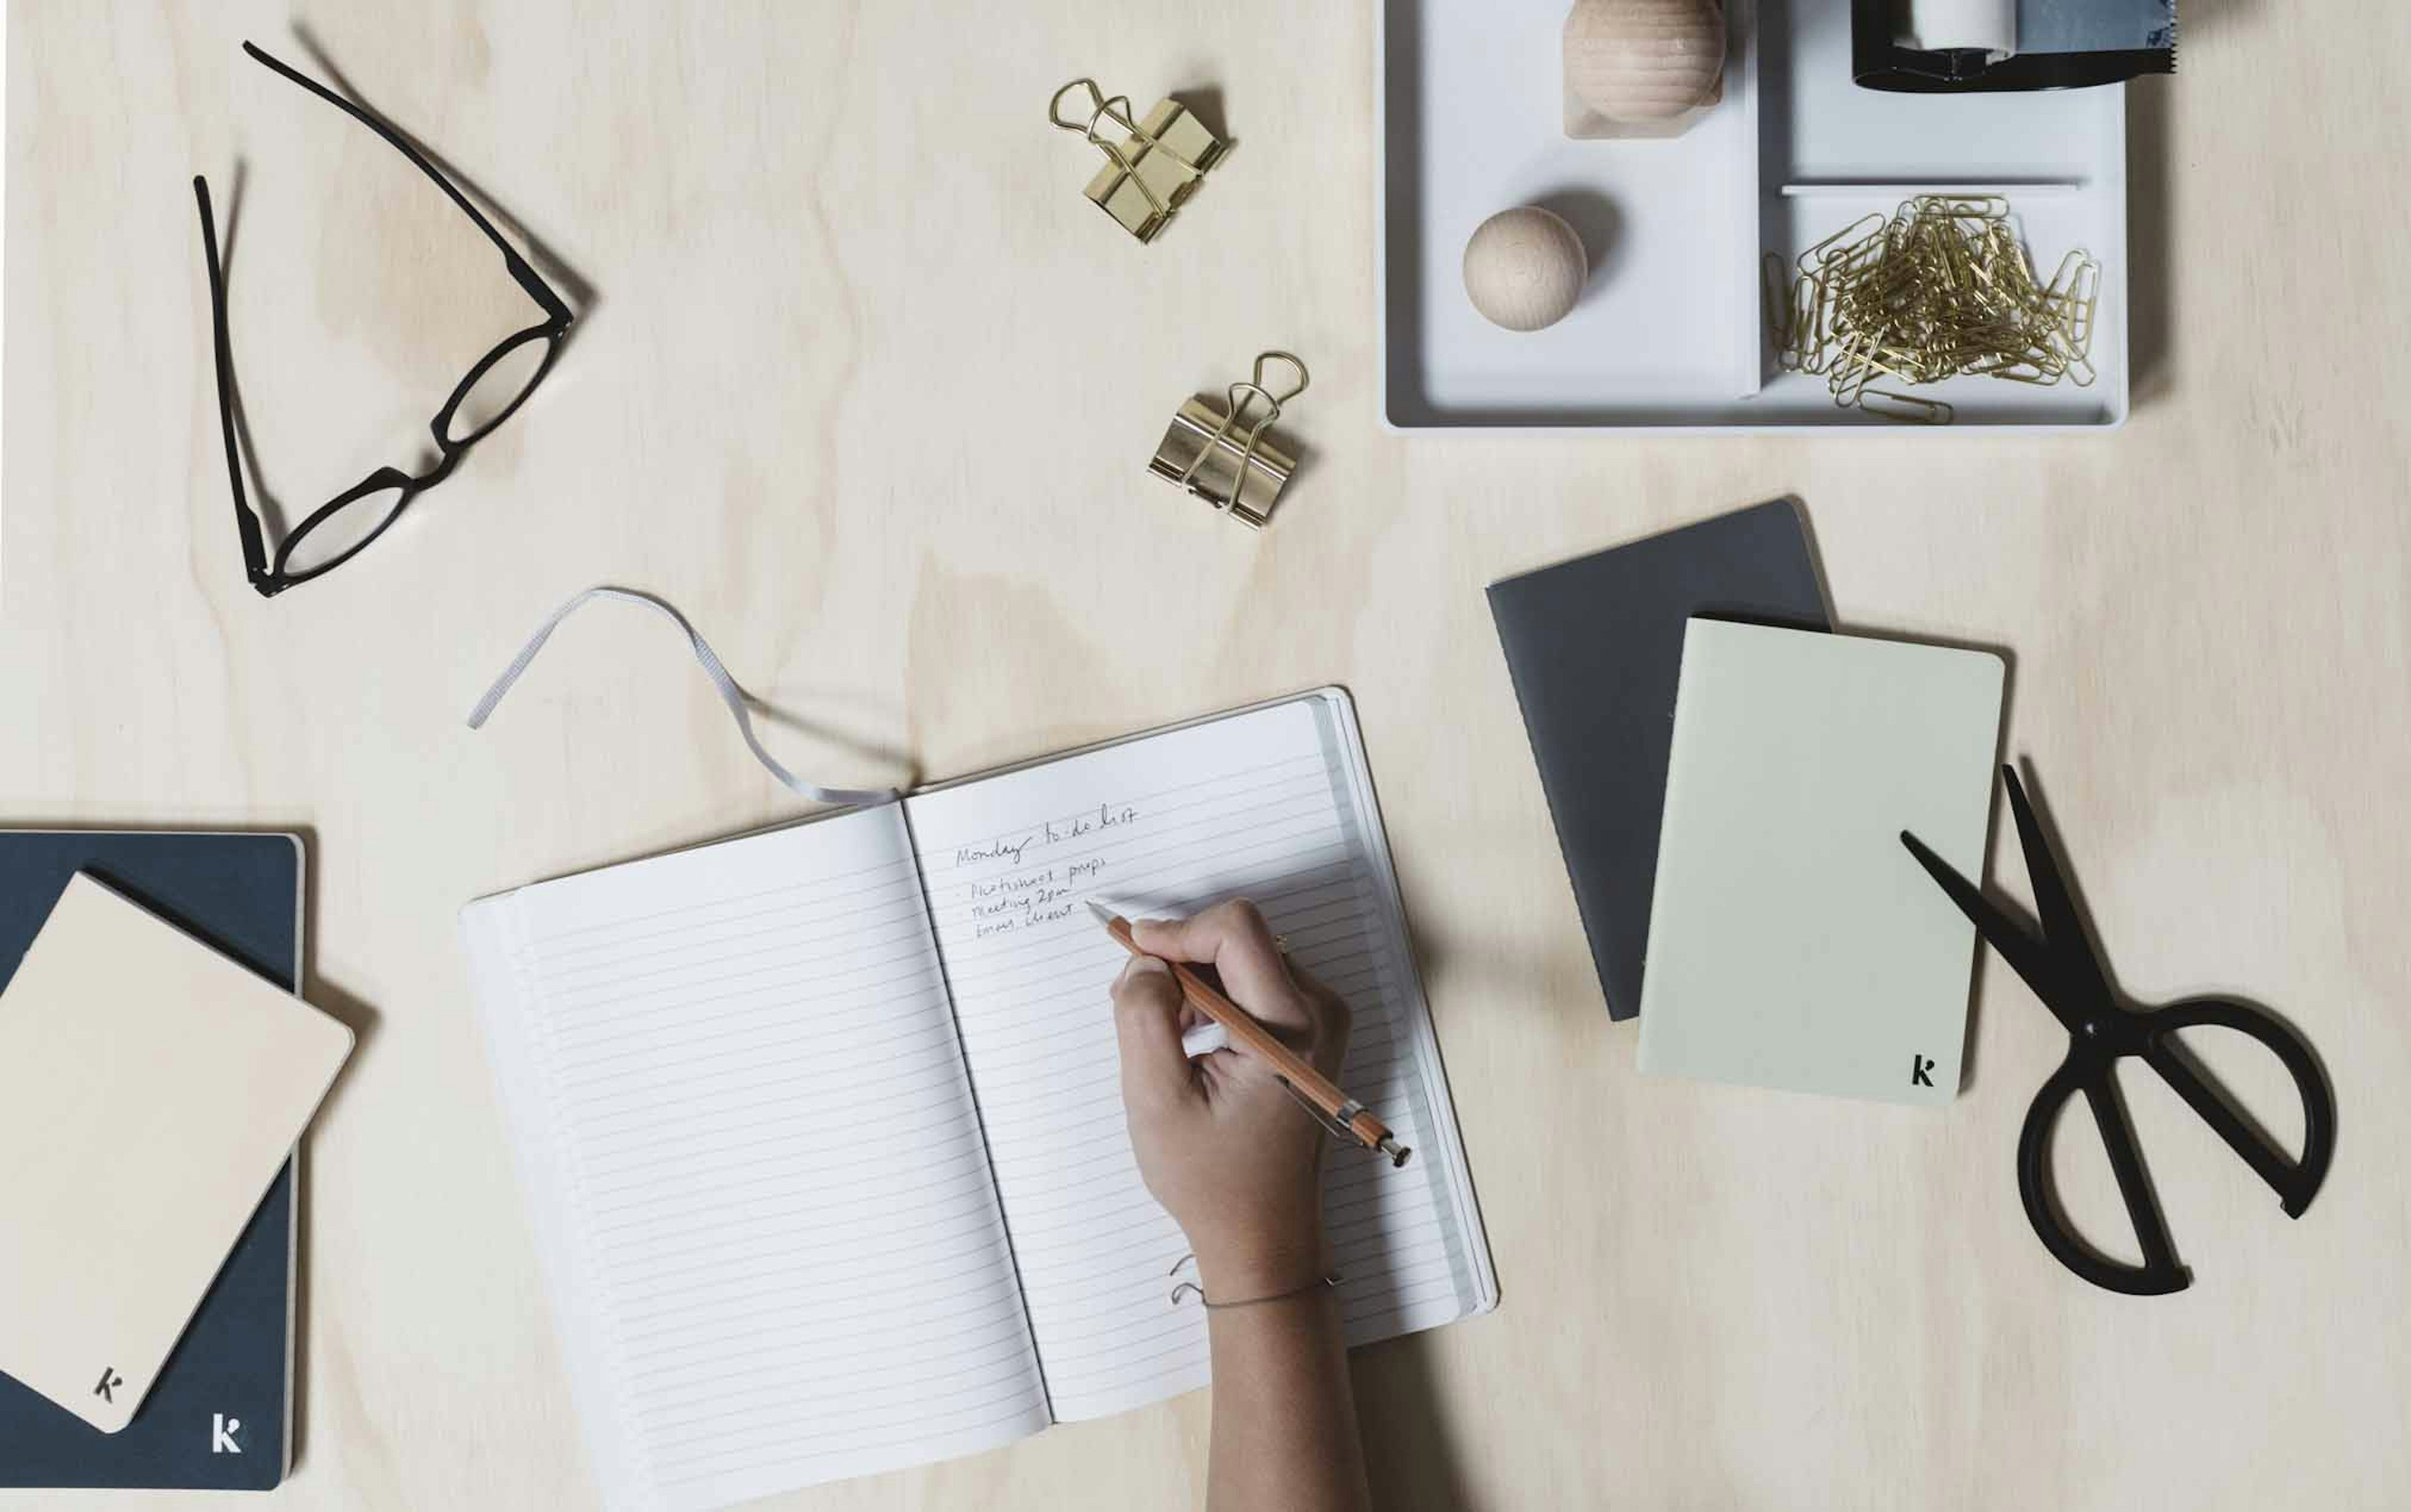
{"type": "Point", "coordinates": [1793, 942]}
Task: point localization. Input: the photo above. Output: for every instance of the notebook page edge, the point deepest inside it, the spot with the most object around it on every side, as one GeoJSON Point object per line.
{"type": "Point", "coordinates": [486, 928]}
{"type": "Point", "coordinates": [1357, 765]}
{"type": "Point", "coordinates": [1048, 759]}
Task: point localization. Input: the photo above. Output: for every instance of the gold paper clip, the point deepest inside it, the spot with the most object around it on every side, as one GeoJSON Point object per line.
{"type": "Point", "coordinates": [1155, 165]}
{"type": "Point", "coordinates": [1224, 458]}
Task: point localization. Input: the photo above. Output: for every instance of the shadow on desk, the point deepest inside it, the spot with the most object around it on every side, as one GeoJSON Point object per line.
{"type": "Point", "coordinates": [2151, 320]}
{"type": "Point", "coordinates": [364, 1023]}
{"type": "Point", "coordinates": [1411, 1449]}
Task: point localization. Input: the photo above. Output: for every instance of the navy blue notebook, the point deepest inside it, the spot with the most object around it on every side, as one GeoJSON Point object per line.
{"type": "Point", "coordinates": [1594, 647]}
{"type": "Point", "coordinates": [219, 1415]}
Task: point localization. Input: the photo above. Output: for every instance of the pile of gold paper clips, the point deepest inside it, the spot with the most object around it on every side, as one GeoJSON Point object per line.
{"type": "Point", "coordinates": [1940, 290]}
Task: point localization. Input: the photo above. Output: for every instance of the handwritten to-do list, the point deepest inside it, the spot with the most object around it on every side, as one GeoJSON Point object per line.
{"type": "Point", "coordinates": [1034, 892]}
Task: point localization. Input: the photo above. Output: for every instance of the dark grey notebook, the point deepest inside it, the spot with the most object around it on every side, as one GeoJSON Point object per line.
{"type": "Point", "coordinates": [1594, 647]}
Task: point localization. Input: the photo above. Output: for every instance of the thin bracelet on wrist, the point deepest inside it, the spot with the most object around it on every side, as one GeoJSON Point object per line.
{"type": "Point", "coordinates": [1324, 1283]}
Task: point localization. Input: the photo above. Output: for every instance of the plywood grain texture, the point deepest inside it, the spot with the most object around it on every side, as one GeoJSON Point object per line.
{"type": "Point", "coordinates": [867, 388]}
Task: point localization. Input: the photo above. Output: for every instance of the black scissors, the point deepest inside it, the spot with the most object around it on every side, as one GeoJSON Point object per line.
{"type": "Point", "coordinates": [2065, 972]}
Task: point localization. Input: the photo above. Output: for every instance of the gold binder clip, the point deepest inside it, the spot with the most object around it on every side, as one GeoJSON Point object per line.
{"type": "Point", "coordinates": [1154, 166]}
{"type": "Point", "coordinates": [1224, 458]}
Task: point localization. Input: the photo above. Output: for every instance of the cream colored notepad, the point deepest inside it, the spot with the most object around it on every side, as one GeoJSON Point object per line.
{"type": "Point", "coordinates": [822, 1127]}
{"type": "Point", "coordinates": [1793, 941]}
{"type": "Point", "coordinates": [150, 1090]}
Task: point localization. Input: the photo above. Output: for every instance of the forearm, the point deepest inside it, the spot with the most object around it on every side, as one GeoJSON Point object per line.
{"type": "Point", "coordinates": [1225, 1149]}
{"type": "Point", "coordinates": [1284, 1415]}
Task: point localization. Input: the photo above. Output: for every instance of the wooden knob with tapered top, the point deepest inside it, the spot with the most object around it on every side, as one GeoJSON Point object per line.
{"type": "Point", "coordinates": [1643, 60]}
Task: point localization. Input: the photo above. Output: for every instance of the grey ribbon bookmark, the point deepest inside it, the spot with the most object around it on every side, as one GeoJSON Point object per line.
{"type": "Point", "coordinates": [730, 694]}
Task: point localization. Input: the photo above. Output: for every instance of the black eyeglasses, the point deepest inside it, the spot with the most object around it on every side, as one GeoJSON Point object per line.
{"type": "Point", "coordinates": [500, 383]}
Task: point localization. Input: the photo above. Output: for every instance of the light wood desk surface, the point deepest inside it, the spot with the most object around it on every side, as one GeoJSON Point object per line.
{"type": "Point", "coordinates": [868, 390]}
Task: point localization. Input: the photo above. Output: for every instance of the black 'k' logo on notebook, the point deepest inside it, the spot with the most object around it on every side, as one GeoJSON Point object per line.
{"type": "Point", "coordinates": [109, 1378]}
{"type": "Point", "coordinates": [1918, 1066]}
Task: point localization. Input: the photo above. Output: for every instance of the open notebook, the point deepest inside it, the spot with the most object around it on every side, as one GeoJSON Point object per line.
{"type": "Point", "coordinates": [822, 1126]}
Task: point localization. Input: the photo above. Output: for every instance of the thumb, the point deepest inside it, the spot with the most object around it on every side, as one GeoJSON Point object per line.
{"type": "Point", "coordinates": [1147, 1016]}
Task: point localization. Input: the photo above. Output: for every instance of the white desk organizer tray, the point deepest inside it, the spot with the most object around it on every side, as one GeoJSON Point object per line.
{"type": "Point", "coordinates": [1670, 333]}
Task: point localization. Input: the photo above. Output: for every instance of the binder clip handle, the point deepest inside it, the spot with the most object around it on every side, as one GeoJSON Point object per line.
{"type": "Point", "coordinates": [1250, 432]}
{"type": "Point", "coordinates": [1277, 400]}
{"type": "Point", "coordinates": [1100, 109]}
{"type": "Point", "coordinates": [1254, 387]}
{"type": "Point", "coordinates": [1096, 102]}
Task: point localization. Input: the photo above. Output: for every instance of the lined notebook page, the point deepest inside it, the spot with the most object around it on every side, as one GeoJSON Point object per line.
{"type": "Point", "coordinates": [757, 1172]}
{"type": "Point", "coordinates": [1264, 804]}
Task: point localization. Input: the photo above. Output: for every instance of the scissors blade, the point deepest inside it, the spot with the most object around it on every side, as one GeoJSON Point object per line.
{"type": "Point", "coordinates": [2017, 945]}
{"type": "Point", "coordinates": [2063, 931]}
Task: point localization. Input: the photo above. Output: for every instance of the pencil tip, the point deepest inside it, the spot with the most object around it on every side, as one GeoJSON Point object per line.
{"type": "Point", "coordinates": [1104, 915]}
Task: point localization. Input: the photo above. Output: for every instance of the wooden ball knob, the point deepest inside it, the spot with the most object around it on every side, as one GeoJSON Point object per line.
{"type": "Point", "coordinates": [1525, 267]}
{"type": "Point", "coordinates": [1643, 60]}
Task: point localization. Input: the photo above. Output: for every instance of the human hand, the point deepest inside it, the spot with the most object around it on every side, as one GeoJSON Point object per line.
{"type": "Point", "coordinates": [1221, 1143]}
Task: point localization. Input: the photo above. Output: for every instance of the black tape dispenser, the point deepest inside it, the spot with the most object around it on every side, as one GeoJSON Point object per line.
{"type": "Point", "coordinates": [1942, 47]}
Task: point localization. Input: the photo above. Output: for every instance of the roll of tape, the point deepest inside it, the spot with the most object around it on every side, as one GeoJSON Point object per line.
{"type": "Point", "coordinates": [1934, 25]}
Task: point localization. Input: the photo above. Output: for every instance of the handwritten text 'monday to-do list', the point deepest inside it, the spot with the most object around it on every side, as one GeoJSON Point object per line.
{"type": "Point", "coordinates": [1037, 885]}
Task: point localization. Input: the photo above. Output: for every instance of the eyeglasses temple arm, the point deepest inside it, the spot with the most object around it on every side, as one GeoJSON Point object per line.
{"type": "Point", "coordinates": [521, 269]}
{"type": "Point", "coordinates": [255, 546]}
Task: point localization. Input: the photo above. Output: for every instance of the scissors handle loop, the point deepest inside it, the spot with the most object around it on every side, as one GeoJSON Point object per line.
{"type": "Point", "coordinates": [2295, 1181]}
{"type": "Point", "coordinates": [2090, 1069]}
